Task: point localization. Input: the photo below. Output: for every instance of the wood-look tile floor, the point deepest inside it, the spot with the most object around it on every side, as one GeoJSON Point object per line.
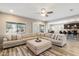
{"type": "Point", "coordinates": [71, 49]}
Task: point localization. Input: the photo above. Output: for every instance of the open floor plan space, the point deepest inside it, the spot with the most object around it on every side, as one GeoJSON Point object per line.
{"type": "Point", "coordinates": [39, 29]}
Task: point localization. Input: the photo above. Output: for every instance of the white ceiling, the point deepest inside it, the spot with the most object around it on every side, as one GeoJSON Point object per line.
{"type": "Point", "coordinates": [32, 10]}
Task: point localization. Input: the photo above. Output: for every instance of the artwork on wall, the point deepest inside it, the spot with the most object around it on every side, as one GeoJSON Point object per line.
{"type": "Point", "coordinates": [42, 28]}
{"type": "Point", "coordinates": [12, 27]}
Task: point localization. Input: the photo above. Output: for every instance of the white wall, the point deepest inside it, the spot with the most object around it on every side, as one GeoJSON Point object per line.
{"type": "Point", "coordinates": [36, 26]}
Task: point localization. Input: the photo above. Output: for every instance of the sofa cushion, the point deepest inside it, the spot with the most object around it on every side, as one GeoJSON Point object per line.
{"type": "Point", "coordinates": [56, 38]}
{"type": "Point", "coordinates": [5, 39]}
{"type": "Point", "coordinates": [48, 35]}
{"type": "Point", "coordinates": [19, 36]}
{"type": "Point", "coordinates": [29, 38]}
{"type": "Point", "coordinates": [53, 36]}
{"type": "Point", "coordinates": [26, 35]}
{"type": "Point", "coordinates": [33, 34]}
{"type": "Point", "coordinates": [47, 38]}
{"type": "Point", "coordinates": [14, 37]}
{"type": "Point", "coordinates": [42, 34]}
{"type": "Point", "coordinates": [8, 37]}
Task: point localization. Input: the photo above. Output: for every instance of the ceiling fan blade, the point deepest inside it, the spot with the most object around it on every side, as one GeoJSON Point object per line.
{"type": "Point", "coordinates": [50, 12]}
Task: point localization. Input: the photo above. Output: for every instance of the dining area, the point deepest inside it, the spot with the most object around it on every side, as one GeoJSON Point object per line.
{"type": "Point", "coordinates": [71, 34]}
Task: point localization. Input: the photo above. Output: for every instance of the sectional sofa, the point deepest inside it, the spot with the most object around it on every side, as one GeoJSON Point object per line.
{"type": "Point", "coordinates": [14, 40]}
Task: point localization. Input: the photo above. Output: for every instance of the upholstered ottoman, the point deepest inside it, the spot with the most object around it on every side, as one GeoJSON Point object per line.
{"type": "Point", "coordinates": [38, 47]}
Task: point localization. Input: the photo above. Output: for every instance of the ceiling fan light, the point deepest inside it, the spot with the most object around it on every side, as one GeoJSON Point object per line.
{"type": "Point", "coordinates": [43, 10]}
{"type": "Point", "coordinates": [43, 14]}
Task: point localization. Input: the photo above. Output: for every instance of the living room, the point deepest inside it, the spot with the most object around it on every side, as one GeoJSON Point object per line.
{"type": "Point", "coordinates": [40, 29]}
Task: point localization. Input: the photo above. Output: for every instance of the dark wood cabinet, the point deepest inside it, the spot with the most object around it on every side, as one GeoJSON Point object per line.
{"type": "Point", "coordinates": [71, 26]}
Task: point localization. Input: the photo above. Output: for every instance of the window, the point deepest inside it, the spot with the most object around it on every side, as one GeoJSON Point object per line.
{"type": "Point", "coordinates": [21, 28]}
{"type": "Point", "coordinates": [42, 28]}
{"type": "Point", "coordinates": [12, 27]}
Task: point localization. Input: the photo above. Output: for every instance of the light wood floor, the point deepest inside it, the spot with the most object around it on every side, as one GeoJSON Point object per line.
{"type": "Point", "coordinates": [71, 49]}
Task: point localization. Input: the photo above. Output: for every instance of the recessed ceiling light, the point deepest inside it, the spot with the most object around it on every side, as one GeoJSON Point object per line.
{"type": "Point", "coordinates": [71, 9]}
{"type": "Point", "coordinates": [11, 11]}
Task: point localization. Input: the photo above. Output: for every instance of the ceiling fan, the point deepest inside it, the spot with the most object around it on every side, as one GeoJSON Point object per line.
{"type": "Point", "coordinates": [45, 13]}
